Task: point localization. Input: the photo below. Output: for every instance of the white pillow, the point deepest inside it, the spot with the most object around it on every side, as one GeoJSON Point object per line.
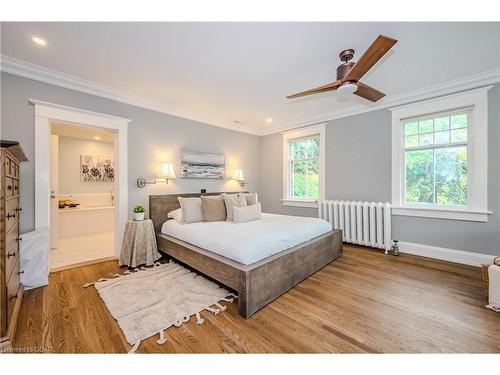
{"type": "Point", "coordinates": [248, 213]}
{"type": "Point", "coordinates": [233, 200]}
{"type": "Point", "coordinates": [176, 215]}
{"type": "Point", "coordinates": [191, 210]}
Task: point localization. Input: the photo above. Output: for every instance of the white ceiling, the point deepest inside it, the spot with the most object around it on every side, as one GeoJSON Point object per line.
{"type": "Point", "coordinates": [227, 72]}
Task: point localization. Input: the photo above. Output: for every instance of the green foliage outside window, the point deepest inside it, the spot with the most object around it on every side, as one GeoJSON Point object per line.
{"type": "Point", "coordinates": [304, 168]}
{"type": "Point", "coordinates": [436, 160]}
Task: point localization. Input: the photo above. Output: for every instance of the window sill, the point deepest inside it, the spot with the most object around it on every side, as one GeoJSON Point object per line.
{"type": "Point", "coordinates": [300, 203]}
{"type": "Point", "coordinates": [442, 213]}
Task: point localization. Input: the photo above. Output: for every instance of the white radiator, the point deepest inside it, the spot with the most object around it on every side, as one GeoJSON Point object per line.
{"type": "Point", "coordinates": [362, 223]}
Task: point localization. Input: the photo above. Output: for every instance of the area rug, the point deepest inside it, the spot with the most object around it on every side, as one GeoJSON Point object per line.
{"type": "Point", "coordinates": [150, 300]}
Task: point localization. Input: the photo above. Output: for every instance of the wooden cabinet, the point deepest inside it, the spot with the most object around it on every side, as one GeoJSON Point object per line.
{"type": "Point", "coordinates": [11, 289]}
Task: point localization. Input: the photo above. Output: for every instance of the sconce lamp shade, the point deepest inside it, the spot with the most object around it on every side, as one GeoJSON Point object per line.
{"type": "Point", "coordinates": [166, 172]}
{"type": "Point", "coordinates": [238, 175]}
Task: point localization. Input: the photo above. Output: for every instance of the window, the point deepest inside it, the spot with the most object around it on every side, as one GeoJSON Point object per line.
{"type": "Point", "coordinates": [439, 158]}
{"type": "Point", "coordinates": [436, 159]}
{"type": "Point", "coordinates": [303, 165]}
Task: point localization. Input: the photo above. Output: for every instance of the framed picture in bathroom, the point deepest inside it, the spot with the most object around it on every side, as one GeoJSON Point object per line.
{"type": "Point", "coordinates": [97, 168]}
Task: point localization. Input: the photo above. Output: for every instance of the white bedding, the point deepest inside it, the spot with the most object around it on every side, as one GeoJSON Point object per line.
{"type": "Point", "coordinates": [249, 242]}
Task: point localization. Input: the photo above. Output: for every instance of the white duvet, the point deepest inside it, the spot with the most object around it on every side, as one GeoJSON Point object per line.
{"type": "Point", "coordinates": [249, 242]}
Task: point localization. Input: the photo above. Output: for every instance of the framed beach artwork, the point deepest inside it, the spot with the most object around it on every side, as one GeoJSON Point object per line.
{"type": "Point", "coordinates": [202, 165]}
{"type": "Point", "coordinates": [97, 168]}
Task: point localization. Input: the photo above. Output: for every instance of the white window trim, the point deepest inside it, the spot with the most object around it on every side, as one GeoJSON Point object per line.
{"type": "Point", "coordinates": [301, 133]}
{"type": "Point", "coordinates": [477, 209]}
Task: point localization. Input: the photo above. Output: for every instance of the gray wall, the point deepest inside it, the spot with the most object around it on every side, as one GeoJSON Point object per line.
{"type": "Point", "coordinates": [153, 138]}
{"type": "Point", "coordinates": [358, 160]}
{"type": "Point", "coordinates": [70, 150]}
{"type": "Point", "coordinates": [358, 167]}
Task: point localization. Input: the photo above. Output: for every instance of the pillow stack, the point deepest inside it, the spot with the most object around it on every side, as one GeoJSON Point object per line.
{"type": "Point", "coordinates": [225, 207]}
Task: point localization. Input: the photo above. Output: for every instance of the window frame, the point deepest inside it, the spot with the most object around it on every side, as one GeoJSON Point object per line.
{"type": "Point", "coordinates": [310, 131]}
{"type": "Point", "coordinates": [476, 103]}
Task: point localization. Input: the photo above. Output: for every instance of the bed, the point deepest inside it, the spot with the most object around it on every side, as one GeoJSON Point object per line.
{"type": "Point", "coordinates": [259, 260]}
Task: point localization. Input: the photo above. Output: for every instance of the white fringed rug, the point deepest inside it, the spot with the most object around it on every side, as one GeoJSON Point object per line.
{"type": "Point", "coordinates": [148, 301]}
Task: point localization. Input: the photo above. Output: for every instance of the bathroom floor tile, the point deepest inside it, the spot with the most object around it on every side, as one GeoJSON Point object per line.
{"type": "Point", "coordinates": [80, 249]}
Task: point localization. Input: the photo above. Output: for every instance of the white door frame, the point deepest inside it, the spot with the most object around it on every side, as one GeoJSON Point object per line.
{"type": "Point", "coordinates": [47, 113]}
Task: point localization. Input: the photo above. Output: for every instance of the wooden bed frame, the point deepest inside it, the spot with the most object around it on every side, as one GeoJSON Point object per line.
{"type": "Point", "coordinates": [259, 283]}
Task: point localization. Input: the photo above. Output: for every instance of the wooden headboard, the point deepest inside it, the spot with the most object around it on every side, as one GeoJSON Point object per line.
{"type": "Point", "coordinates": [161, 205]}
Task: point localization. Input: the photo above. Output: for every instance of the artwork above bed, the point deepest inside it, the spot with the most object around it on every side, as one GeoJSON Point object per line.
{"type": "Point", "coordinates": [202, 165]}
{"type": "Point", "coordinates": [97, 168]}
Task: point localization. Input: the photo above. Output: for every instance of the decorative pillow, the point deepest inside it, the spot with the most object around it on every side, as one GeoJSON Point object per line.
{"type": "Point", "coordinates": [176, 215]}
{"type": "Point", "coordinates": [251, 199]}
{"type": "Point", "coordinates": [232, 200]}
{"type": "Point", "coordinates": [214, 208]}
{"type": "Point", "coordinates": [191, 210]}
{"type": "Point", "coordinates": [249, 213]}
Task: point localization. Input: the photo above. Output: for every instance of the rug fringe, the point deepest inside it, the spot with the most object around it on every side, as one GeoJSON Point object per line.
{"type": "Point", "coordinates": [117, 275]}
{"type": "Point", "coordinates": [134, 347]}
{"type": "Point", "coordinates": [494, 308]}
{"type": "Point", "coordinates": [212, 310]}
{"type": "Point", "coordinates": [162, 340]}
{"type": "Point", "coordinates": [199, 319]}
{"type": "Point", "coordinates": [222, 308]}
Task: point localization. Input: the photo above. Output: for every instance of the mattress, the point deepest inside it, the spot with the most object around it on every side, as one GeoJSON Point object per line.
{"type": "Point", "coordinates": [249, 242]}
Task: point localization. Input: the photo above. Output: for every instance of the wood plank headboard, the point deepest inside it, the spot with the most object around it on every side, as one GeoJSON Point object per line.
{"type": "Point", "coordinates": [161, 205]}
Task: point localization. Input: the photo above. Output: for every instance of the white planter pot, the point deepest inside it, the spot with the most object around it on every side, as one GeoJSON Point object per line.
{"type": "Point", "coordinates": [139, 216]}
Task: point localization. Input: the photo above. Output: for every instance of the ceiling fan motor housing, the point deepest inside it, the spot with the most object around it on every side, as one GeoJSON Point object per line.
{"type": "Point", "coordinates": [345, 56]}
{"type": "Point", "coordinates": [343, 69]}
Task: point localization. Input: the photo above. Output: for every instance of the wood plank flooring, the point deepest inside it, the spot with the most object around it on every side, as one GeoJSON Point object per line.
{"type": "Point", "coordinates": [364, 302]}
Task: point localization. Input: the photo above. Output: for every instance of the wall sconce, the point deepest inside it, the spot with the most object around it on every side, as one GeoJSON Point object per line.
{"type": "Point", "coordinates": [166, 173]}
{"type": "Point", "coordinates": [238, 176]}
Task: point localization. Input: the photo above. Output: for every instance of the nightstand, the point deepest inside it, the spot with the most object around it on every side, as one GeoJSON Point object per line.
{"type": "Point", "coordinates": [139, 244]}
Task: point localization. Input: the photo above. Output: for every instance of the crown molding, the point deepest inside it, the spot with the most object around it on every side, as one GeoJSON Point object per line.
{"type": "Point", "coordinates": [446, 88]}
{"type": "Point", "coordinates": [40, 73]}
{"type": "Point", "coordinates": [43, 74]}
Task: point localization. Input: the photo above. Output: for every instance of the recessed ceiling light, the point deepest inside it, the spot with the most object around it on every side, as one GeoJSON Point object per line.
{"type": "Point", "coordinates": [97, 137]}
{"type": "Point", "coordinates": [39, 41]}
{"type": "Point", "coordinates": [269, 120]}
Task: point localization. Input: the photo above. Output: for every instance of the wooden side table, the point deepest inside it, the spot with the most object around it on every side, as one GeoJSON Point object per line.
{"type": "Point", "coordinates": [139, 244]}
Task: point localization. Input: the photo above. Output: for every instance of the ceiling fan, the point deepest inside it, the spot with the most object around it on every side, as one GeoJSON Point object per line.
{"type": "Point", "coordinates": [349, 73]}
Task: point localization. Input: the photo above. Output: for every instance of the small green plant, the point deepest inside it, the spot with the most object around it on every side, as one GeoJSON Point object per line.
{"type": "Point", "coordinates": [139, 209]}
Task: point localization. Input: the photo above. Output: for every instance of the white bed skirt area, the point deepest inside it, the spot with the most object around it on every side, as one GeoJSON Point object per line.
{"type": "Point", "coordinates": [252, 241]}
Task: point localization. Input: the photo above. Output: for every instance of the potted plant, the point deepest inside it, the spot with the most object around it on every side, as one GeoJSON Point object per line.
{"type": "Point", "coordinates": [139, 213]}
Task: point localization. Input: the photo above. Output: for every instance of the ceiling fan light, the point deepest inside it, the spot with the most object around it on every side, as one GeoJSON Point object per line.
{"type": "Point", "coordinates": [348, 88]}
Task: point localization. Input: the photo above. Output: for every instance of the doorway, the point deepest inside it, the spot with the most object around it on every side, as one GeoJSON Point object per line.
{"type": "Point", "coordinates": [82, 196]}
{"type": "Point", "coordinates": [49, 116]}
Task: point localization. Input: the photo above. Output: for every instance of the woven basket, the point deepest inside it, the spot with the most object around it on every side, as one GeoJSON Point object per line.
{"type": "Point", "coordinates": [486, 278]}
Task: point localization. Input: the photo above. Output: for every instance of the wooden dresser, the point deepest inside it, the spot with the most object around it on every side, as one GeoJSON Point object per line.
{"type": "Point", "coordinates": [11, 289]}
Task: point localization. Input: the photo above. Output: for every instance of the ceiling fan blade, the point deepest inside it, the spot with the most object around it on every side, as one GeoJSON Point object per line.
{"type": "Point", "coordinates": [374, 53]}
{"type": "Point", "coordinates": [368, 92]}
{"type": "Point", "coordinates": [328, 87]}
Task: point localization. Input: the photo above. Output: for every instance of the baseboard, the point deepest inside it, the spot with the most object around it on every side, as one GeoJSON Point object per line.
{"type": "Point", "coordinates": [82, 264]}
{"type": "Point", "coordinates": [442, 253]}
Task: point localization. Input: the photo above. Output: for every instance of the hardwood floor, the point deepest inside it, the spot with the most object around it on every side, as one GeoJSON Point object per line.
{"type": "Point", "coordinates": [362, 302]}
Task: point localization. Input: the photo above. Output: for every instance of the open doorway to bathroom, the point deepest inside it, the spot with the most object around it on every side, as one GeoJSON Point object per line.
{"type": "Point", "coordinates": [83, 184]}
